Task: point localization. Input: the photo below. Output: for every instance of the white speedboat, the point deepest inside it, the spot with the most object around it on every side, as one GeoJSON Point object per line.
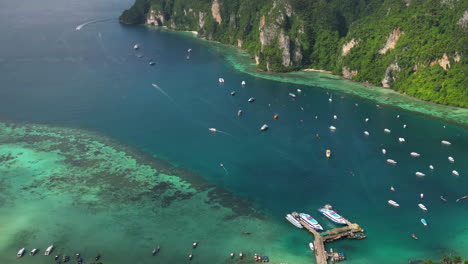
{"type": "Point", "coordinates": [367, 120]}
{"type": "Point", "coordinates": [241, 255]}
{"type": "Point", "coordinates": [421, 195]}
{"type": "Point", "coordinates": [189, 50]}
{"type": "Point", "coordinates": [392, 188]}
{"type": "Point", "coordinates": [33, 252]}
{"type": "Point", "coordinates": [239, 112]}
{"type": "Point", "coordinates": [384, 151]}
{"type": "Point", "coordinates": [398, 116]}
{"type": "Point", "coordinates": [415, 154]}
{"type": "Point", "coordinates": [404, 126]}
{"type": "Point", "coordinates": [366, 133]}
{"type": "Point", "coordinates": [451, 159]}
{"type": "Point", "coordinates": [311, 246]}
{"type": "Point", "coordinates": [335, 117]}
{"type": "Point", "coordinates": [309, 220]}
{"type": "Point", "coordinates": [190, 256]}
{"type": "Point", "coordinates": [393, 203]}
{"type": "Point", "coordinates": [422, 207]}
{"type": "Point", "coordinates": [251, 100]}
{"type": "Point", "coordinates": [233, 93]}
{"type": "Point", "coordinates": [293, 221]}
{"type": "Point", "coordinates": [136, 46]}
{"type": "Point", "coordinates": [420, 174]}
{"type": "Point", "coordinates": [401, 140]}
{"type": "Point", "coordinates": [231, 255]}
{"type": "Point", "coordinates": [445, 142]}
{"type": "Point", "coordinates": [299, 91]}
{"type": "Point", "coordinates": [49, 250]}
{"type": "Point", "coordinates": [195, 244]}
{"type": "Point", "coordinates": [423, 221]}
{"type": "Point", "coordinates": [390, 161]}
{"type": "Point", "coordinates": [221, 80]}
{"type": "Point", "coordinates": [330, 100]}
{"type": "Point", "coordinates": [386, 130]}
{"type": "Point", "coordinates": [243, 83]}
{"type": "Point", "coordinates": [332, 128]}
{"type": "Point", "coordinates": [431, 167]}
{"type": "Point", "coordinates": [20, 253]}
{"type": "Point", "coordinates": [264, 127]}
{"type": "Point", "coordinates": [292, 95]}
{"type": "Point", "coordinates": [454, 172]}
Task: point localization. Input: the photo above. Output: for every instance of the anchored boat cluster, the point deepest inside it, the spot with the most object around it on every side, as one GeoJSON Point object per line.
{"type": "Point", "coordinates": [348, 230]}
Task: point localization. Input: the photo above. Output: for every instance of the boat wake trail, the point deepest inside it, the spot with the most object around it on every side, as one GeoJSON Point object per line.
{"type": "Point", "coordinates": [79, 27]}
{"type": "Point", "coordinates": [162, 91]}
{"type": "Point", "coordinates": [224, 168]}
{"type": "Point", "coordinates": [219, 131]}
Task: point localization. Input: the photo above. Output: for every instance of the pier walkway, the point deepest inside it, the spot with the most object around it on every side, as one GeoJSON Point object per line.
{"type": "Point", "coordinates": [320, 252]}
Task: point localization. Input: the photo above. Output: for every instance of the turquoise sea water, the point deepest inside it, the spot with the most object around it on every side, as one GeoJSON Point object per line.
{"type": "Point", "coordinates": [92, 79]}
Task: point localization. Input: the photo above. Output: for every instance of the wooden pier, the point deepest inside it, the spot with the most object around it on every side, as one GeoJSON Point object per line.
{"type": "Point", "coordinates": [351, 231]}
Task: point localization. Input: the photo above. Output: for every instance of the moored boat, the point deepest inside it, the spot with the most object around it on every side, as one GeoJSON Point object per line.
{"type": "Point", "coordinates": [293, 221]}
{"type": "Point", "coordinates": [243, 83]}
{"type": "Point", "coordinates": [401, 140]}
{"type": "Point", "coordinates": [49, 250]}
{"type": "Point", "coordinates": [292, 95]}
{"type": "Point", "coordinates": [366, 133]}
{"type": "Point", "coordinates": [220, 80]}
{"type": "Point", "coordinates": [420, 174]}
{"type": "Point", "coordinates": [423, 221]}
{"type": "Point", "coordinates": [310, 221]}
{"type": "Point", "coordinates": [332, 128]}
{"type": "Point", "coordinates": [333, 216]}
{"type": "Point", "coordinates": [264, 127]}
{"type": "Point", "coordinates": [415, 154]}
{"type": "Point", "coordinates": [454, 172]}
{"type": "Point", "coordinates": [136, 46]}
{"type": "Point", "coordinates": [386, 130]}
{"type": "Point", "coordinates": [451, 159]}
{"type": "Point", "coordinates": [20, 252]}
{"type": "Point", "coordinates": [251, 100]}
{"type": "Point", "coordinates": [328, 153]}
{"type": "Point", "coordinates": [33, 252]}
{"type": "Point", "coordinates": [414, 236]}
{"type": "Point", "coordinates": [445, 142]}
{"type": "Point", "coordinates": [431, 167]}
{"type": "Point", "coordinates": [384, 151]}
{"type": "Point", "coordinates": [155, 250]}
{"type": "Point", "coordinates": [392, 188]}
{"type": "Point", "coordinates": [311, 246]}
{"type": "Point", "coordinates": [443, 199]}
{"type": "Point", "coordinates": [393, 203]}
{"type": "Point", "coordinates": [390, 161]}
{"type": "Point", "coordinates": [422, 206]}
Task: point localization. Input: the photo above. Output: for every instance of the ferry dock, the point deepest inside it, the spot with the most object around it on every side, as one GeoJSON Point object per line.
{"type": "Point", "coordinates": [351, 231]}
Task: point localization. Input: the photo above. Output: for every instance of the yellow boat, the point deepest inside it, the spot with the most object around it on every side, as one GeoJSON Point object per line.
{"type": "Point", "coordinates": [328, 153]}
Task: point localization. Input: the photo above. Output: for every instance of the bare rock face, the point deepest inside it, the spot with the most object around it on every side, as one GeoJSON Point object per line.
{"type": "Point", "coordinates": [348, 46]}
{"type": "Point", "coordinates": [257, 59]}
{"type": "Point", "coordinates": [463, 21]}
{"type": "Point", "coordinates": [392, 40]}
{"type": "Point", "coordinates": [349, 74]}
{"type": "Point", "coordinates": [284, 44]}
{"type": "Point", "coordinates": [390, 74]}
{"type": "Point", "coordinates": [156, 18]}
{"type": "Point", "coordinates": [297, 55]}
{"type": "Point", "coordinates": [215, 12]}
{"type": "Point", "coordinates": [201, 20]}
{"type": "Point", "coordinates": [444, 62]}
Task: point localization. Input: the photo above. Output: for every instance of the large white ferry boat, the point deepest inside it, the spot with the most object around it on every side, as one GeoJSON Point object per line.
{"type": "Point", "coordinates": [333, 216]}
{"type": "Point", "coordinates": [311, 221]}
{"type": "Point", "coordinates": [293, 221]}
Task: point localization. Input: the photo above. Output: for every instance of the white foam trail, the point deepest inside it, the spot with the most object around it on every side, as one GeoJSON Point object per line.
{"type": "Point", "coordinates": [79, 27]}
{"type": "Point", "coordinates": [161, 90]}
{"type": "Point", "coordinates": [220, 131]}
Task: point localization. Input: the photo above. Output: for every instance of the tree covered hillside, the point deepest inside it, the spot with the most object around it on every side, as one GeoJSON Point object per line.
{"type": "Point", "coordinates": [417, 47]}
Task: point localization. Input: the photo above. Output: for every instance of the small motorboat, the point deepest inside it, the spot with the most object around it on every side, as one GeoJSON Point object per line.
{"type": "Point", "coordinates": [239, 113]}
{"type": "Point", "coordinates": [98, 257]}
{"type": "Point", "coordinates": [415, 154]}
{"type": "Point", "coordinates": [136, 46]}
{"type": "Point", "coordinates": [156, 250]}
{"type": "Point", "coordinates": [328, 153]}
{"type": "Point", "coordinates": [443, 199]}
{"type": "Point", "coordinates": [188, 57]}
{"type": "Point", "coordinates": [367, 120]}
{"type": "Point", "coordinates": [195, 244]}
{"type": "Point", "coordinates": [251, 100]}
{"type": "Point", "coordinates": [390, 161]}
{"type": "Point", "coordinates": [49, 250]}
{"type": "Point", "coordinates": [231, 255]}
{"type": "Point", "coordinates": [335, 117]}
{"type": "Point", "coordinates": [33, 252]}
{"type": "Point", "coordinates": [292, 95]}
{"type": "Point", "coordinates": [454, 172]}
{"type": "Point", "coordinates": [56, 257]}
{"type": "Point", "coordinates": [384, 151]}
{"type": "Point", "coordinates": [445, 142]}
{"type": "Point", "coordinates": [233, 93]}
{"type": "Point", "coordinates": [77, 255]}
{"type": "Point", "coordinates": [401, 140]}
{"type": "Point", "coordinates": [276, 116]}
{"type": "Point", "coordinates": [330, 100]}
{"type": "Point", "coordinates": [264, 127]}
{"type": "Point", "coordinates": [220, 80]}
{"type": "Point", "coordinates": [299, 91]}
{"type": "Point", "coordinates": [366, 133]}
{"type": "Point", "coordinates": [461, 198]}
{"type": "Point", "coordinates": [243, 83]}
{"type": "Point", "coordinates": [423, 221]}
{"type": "Point", "coordinates": [190, 256]}
{"type": "Point", "coordinates": [189, 50]}
{"type": "Point", "coordinates": [241, 255]}
{"type": "Point", "coordinates": [332, 128]}
{"type": "Point", "coordinates": [451, 159]}
{"type": "Point", "coordinates": [404, 125]}
{"type": "Point", "coordinates": [431, 167]}
{"type": "Point", "coordinates": [422, 207]}
{"type": "Point", "coordinates": [392, 188]}
{"type": "Point", "coordinates": [421, 195]}
{"type": "Point", "coordinates": [151, 63]}
{"type": "Point", "coordinates": [20, 252]}
{"type": "Point", "coordinates": [386, 130]}
{"type": "Point", "coordinates": [398, 116]}
{"type": "Point", "coordinates": [311, 246]}
{"type": "Point", "coordinates": [420, 174]}
{"type": "Point", "coordinates": [393, 203]}
{"type": "Point", "coordinates": [414, 236]}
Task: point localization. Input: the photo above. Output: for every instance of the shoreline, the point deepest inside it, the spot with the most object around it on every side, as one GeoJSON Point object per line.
{"type": "Point", "coordinates": [242, 61]}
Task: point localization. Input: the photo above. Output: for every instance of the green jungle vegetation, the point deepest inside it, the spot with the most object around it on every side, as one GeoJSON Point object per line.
{"type": "Point", "coordinates": [318, 29]}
